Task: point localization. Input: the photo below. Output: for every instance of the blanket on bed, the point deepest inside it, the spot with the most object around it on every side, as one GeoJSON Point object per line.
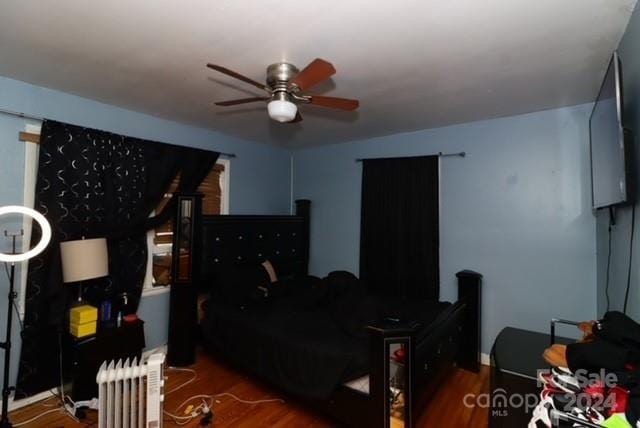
{"type": "Point", "coordinates": [308, 336]}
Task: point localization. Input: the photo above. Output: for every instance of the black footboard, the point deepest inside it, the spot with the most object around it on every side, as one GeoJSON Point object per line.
{"type": "Point", "coordinates": [452, 339]}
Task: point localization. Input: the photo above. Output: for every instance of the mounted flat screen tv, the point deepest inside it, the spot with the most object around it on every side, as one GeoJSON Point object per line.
{"type": "Point", "coordinates": [610, 152]}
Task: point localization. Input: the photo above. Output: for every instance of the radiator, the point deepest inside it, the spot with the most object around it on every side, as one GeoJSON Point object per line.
{"type": "Point", "coordinates": [130, 394]}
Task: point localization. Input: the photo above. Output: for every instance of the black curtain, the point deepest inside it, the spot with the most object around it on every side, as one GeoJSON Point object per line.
{"type": "Point", "coordinates": [93, 184]}
{"type": "Point", "coordinates": [399, 232]}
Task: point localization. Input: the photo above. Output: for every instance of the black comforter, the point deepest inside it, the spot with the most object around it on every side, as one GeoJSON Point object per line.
{"type": "Point", "coordinates": [308, 336]}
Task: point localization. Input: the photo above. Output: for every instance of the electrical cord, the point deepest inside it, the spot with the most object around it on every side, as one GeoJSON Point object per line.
{"type": "Point", "coordinates": [17, 311]}
{"type": "Point", "coordinates": [633, 224]}
{"type": "Point", "coordinates": [263, 401]}
{"type": "Point", "coordinates": [64, 397]}
{"type": "Point", "coordinates": [606, 287]}
{"type": "Point", "coordinates": [28, 421]}
{"type": "Point", "coordinates": [183, 419]}
{"type": "Point", "coordinates": [180, 369]}
{"type": "Point", "coordinates": [15, 307]}
{"type": "Point", "coordinates": [205, 408]}
{"type": "Point", "coordinates": [58, 408]}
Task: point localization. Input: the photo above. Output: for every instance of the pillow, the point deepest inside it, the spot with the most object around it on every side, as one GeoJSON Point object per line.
{"type": "Point", "coordinates": [292, 287]}
{"type": "Point", "coordinates": [239, 284]}
{"type": "Point", "coordinates": [335, 288]}
{"type": "Point", "coordinates": [286, 269]}
{"type": "Point", "coordinates": [343, 285]}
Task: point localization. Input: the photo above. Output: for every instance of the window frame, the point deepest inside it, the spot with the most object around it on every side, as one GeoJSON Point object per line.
{"type": "Point", "coordinates": [148, 288]}
{"type": "Point", "coordinates": [32, 151]}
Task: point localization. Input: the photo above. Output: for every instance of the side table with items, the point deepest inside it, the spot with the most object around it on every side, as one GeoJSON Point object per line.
{"type": "Point", "coordinates": [83, 356]}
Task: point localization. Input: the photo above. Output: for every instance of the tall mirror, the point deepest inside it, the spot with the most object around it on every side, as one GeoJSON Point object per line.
{"type": "Point", "coordinates": [183, 314]}
{"type": "Point", "coordinates": [184, 248]}
{"type": "Point", "coordinates": [398, 388]}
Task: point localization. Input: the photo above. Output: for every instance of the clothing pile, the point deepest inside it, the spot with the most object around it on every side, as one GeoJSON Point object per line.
{"type": "Point", "coordinates": [596, 381]}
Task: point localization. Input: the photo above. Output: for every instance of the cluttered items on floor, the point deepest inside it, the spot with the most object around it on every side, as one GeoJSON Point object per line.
{"type": "Point", "coordinates": [595, 381]}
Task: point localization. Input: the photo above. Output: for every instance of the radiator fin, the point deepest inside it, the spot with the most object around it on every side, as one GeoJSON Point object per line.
{"type": "Point", "coordinates": [130, 393]}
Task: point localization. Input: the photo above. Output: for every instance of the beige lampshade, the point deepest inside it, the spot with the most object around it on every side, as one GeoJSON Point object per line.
{"type": "Point", "coordinates": [84, 259]}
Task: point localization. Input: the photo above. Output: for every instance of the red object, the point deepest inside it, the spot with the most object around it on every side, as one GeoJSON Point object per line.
{"type": "Point", "coordinates": [595, 390]}
{"type": "Point", "coordinates": [620, 398]}
{"type": "Point", "coordinates": [130, 318]}
{"type": "Point", "coordinates": [399, 355]}
{"type": "Point", "coordinates": [550, 390]}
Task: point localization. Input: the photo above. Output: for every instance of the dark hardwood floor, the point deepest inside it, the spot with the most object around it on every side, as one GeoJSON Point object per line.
{"type": "Point", "coordinates": [445, 409]}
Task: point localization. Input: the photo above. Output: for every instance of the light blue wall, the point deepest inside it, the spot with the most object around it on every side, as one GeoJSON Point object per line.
{"type": "Point", "coordinates": [516, 209]}
{"type": "Point", "coordinates": [628, 50]}
{"type": "Point", "coordinates": [259, 182]}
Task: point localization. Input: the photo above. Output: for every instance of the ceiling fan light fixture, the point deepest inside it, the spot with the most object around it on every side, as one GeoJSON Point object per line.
{"type": "Point", "coordinates": [282, 110]}
{"type": "Point", "coordinates": [284, 89]}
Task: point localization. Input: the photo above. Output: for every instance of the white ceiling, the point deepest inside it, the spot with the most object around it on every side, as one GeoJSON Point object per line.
{"type": "Point", "coordinates": [413, 64]}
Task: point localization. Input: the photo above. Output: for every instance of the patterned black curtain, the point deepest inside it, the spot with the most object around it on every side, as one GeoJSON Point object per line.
{"type": "Point", "coordinates": [94, 184]}
{"type": "Point", "coordinates": [399, 231]}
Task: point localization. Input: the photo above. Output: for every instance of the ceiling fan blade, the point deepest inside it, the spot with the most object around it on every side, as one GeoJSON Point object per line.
{"type": "Point", "coordinates": [337, 103]}
{"type": "Point", "coordinates": [241, 101]}
{"type": "Point", "coordinates": [238, 76]}
{"type": "Point", "coordinates": [314, 73]}
{"type": "Point", "coordinates": [297, 119]}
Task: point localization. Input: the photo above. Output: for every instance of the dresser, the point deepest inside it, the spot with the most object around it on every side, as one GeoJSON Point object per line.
{"type": "Point", "coordinates": [516, 358]}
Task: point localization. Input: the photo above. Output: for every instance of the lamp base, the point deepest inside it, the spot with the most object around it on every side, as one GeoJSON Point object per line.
{"type": "Point", "coordinates": [79, 301]}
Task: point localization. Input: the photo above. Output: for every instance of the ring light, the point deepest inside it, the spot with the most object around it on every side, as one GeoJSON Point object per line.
{"type": "Point", "coordinates": [44, 227]}
{"type": "Point", "coordinates": [12, 258]}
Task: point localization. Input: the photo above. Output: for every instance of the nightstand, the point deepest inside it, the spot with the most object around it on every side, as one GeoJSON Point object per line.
{"type": "Point", "coordinates": [83, 357]}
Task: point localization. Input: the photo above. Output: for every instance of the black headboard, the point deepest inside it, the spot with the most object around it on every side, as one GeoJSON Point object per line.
{"type": "Point", "coordinates": [231, 240]}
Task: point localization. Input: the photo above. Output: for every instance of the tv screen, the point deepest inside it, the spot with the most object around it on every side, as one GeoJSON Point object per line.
{"type": "Point", "coordinates": [609, 155]}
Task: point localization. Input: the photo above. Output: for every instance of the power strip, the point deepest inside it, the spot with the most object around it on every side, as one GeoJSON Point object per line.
{"type": "Point", "coordinates": [73, 410]}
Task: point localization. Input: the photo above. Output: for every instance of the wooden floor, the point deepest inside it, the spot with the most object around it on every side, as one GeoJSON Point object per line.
{"type": "Point", "coordinates": [213, 377]}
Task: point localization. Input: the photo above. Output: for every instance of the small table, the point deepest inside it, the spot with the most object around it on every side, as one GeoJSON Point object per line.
{"type": "Point", "coordinates": [516, 358]}
{"type": "Point", "coordinates": [84, 356]}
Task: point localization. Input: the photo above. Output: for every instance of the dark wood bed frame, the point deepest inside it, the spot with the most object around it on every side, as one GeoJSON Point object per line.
{"type": "Point", "coordinates": [452, 339]}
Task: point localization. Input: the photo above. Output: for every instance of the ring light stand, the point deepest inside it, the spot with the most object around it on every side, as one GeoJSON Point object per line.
{"type": "Point", "coordinates": [13, 258]}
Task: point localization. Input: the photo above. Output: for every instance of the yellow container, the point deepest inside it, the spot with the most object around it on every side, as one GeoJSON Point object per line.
{"type": "Point", "coordinates": [82, 330]}
{"type": "Point", "coordinates": [83, 314]}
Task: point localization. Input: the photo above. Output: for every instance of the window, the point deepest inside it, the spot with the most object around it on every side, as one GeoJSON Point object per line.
{"type": "Point", "coordinates": [215, 188]}
{"type": "Point", "coordinates": [31, 151]}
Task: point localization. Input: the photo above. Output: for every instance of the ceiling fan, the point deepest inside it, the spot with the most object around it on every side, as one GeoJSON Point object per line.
{"type": "Point", "coordinates": [284, 87]}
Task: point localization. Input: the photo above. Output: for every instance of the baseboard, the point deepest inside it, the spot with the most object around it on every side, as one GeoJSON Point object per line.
{"type": "Point", "coordinates": [148, 352]}
{"type": "Point", "coordinates": [22, 402]}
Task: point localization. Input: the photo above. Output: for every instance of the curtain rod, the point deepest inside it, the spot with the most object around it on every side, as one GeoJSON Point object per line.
{"type": "Point", "coordinates": [32, 117]}
{"type": "Point", "coordinates": [439, 154]}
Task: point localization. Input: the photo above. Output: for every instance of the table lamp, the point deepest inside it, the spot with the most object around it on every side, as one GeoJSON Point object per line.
{"type": "Point", "coordinates": [84, 259]}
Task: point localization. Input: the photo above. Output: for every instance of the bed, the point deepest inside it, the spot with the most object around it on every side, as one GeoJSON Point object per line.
{"type": "Point", "coordinates": [365, 360]}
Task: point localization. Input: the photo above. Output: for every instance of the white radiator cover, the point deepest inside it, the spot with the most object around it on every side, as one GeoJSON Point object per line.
{"type": "Point", "coordinates": [131, 395]}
